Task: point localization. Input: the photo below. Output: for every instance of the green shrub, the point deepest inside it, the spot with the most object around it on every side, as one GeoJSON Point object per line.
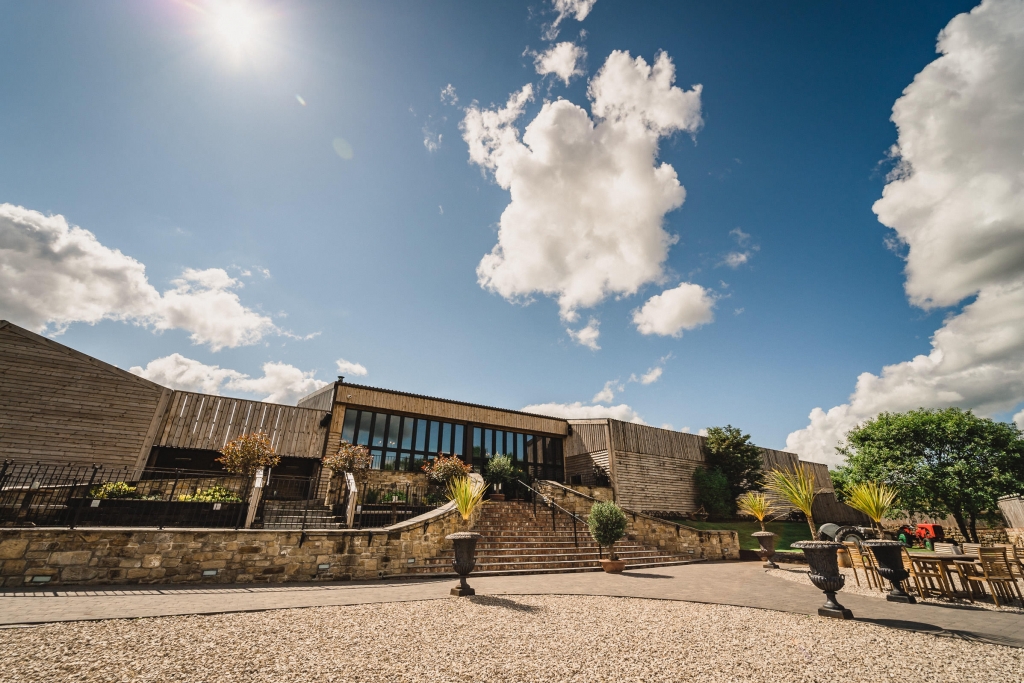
{"type": "Point", "coordinates": [211, 494]}
{"type": "Point", "coordinates": [607, 523]}
{"type": "Point", "coordinates": [713, 492]}
{"type": "Point", "coordinates": [442, 470]}
{"type": "Point", "coordinates": [113, 490]}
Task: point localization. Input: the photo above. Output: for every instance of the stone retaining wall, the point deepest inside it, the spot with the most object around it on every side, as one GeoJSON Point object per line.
{"type": "Point", "coordinates": [651, 531]}
{"type": "Point", "coordinates": [1016, 537]}
{"type": "Point", "coordinates": [95, 556]}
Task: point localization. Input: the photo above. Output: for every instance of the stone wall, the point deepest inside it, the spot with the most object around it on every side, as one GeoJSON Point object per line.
{"type": "Point", "coordinates": [1016, 537]}
{"type": "Point", "coordinates": [149, 556]}
{"type": "Point", "coordinates": [651, 531]}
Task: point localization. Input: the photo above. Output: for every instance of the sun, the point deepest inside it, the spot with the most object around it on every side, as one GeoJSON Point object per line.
{"type": "Point", "coordinates": [236, 25]}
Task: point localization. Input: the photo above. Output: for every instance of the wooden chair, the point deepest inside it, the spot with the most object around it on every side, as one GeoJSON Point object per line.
{"type": "Point", "coordinates": [995, 571]}
{"type": "Point", "coordinates": [857, 559]}
{"type": "Point", "coordinates": [1015, 556]}
{"type": "Point", "coordinates": [971, 550]}
{"type": "Point", "coordinates": [929, 576]}
{"type": "Point", "coordinates": [944, 548]}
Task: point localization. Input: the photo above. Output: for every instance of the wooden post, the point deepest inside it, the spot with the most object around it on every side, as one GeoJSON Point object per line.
{"type": "Point", "coordinates": [254, 498]}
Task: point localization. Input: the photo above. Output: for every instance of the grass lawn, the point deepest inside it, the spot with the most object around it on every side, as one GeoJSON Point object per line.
{"type": "Point", "coordinates": [789, 532]}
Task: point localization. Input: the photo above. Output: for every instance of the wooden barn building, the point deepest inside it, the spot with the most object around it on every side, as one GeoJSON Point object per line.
{"type": "Point", "coordinates": [58, 405]}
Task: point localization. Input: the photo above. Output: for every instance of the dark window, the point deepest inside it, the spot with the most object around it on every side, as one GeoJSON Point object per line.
{"type": "Point", "coordinates": [446, 438]}
{"type": "Point", "coordinates": [375, 458]}
{"type": "Point", "coordinates": [389, 460]}
{"type": "Point", "coordinates": [488, 443]}
{"type": "Point", "coordinates": [460, 436]}
{"type": "Point", "coordinates": [393, 431]}
{"type": "Point", "coordinates": [421, 435]}
{"type": "Point", "coordinates": [348, 431]}
{"type": "Point", "coordinates": [364, 427]}
{"type": "Point", "coordinates": [435, 427]}
{"type": "Point", "coordinates": [407, 423]}
{"type": "Point", "coordinates": [520, 449]}
{"type": "Point", "coordinates": [378, 429]}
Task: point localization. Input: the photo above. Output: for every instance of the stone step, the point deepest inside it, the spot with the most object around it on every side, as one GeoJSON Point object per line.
{"type": "Point", "coordinates": [548, 568]}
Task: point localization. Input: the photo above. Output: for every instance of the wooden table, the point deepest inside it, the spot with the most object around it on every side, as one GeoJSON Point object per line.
{"type": "Point", "coordinates": [949, 567]}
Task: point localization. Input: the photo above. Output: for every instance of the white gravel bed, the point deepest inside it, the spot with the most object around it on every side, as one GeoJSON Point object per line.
{"type": "Point", "coordinates": [507, 639]}
{"type": "Point", "coordinates": [799, 575]}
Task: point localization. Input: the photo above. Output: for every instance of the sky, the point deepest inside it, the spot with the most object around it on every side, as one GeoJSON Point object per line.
{"type": "Point", "coordinates": [783, 216]}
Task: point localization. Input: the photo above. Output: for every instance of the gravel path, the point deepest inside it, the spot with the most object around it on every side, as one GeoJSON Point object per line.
{"type": "Point", "coordinates": [799, 575]}
{"type": "Point", "coordinates": [535, 638]}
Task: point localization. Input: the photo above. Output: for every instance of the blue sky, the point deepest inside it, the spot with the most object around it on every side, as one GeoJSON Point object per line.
{"type": "Point", "coordinates": [142, 124]}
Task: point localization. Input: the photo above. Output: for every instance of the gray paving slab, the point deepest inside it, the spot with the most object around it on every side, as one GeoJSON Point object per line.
{"type": "Point", "coordinates": [735, 583]}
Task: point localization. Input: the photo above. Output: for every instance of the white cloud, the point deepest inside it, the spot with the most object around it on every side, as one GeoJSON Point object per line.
{"type": "Point", "coordinates": [607, 394]}
{"type": "Point", "coordinates": [588, 335]}
{"type": "Point", "coordinates": [702, 432]}
{"type": "Point", "coordinates": [448, 95]}
{"type": "Point", "coordinates": [280, 383]}
{"type": "Point", "coordinates": [588, 196]}
{"type": "Point", "coordinates": [1019, 419]}
{"type": "Point", "coordinates": [956, 201]}
{"type": "Point", "coordinates": [682, 308]}
{"type": "Point", "coordinates": [431, 140]}
{"type": "Point", "coordinates": [577, 9]}
{"type": "Point", "coordinates": [735, 259]}
{"type": "Point", "coordinates": [53, 274]}
{"type": "Point", "coordinates": [584, 412]}
{"type": "Point", "coordinates": [652, 375]}
{"type": "Point", "coordinates": [742, 238]}
{"type": "Point", "coordinates": [348, 368]}
{"type": "Point", "coordinates": [563, 60]}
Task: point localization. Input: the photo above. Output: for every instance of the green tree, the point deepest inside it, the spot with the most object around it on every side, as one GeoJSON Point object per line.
{"type": "Point", "coordinates": [941, 462]}
{"type": "Point", "coordinates": [841, 482]}
{"type": "Point", "coordinates": [713, 492]}
{"type": "Point", "coordinates": [729, 451]}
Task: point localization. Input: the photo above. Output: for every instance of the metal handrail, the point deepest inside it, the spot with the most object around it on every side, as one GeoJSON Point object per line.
{"type": "Point", "coordinates": [554, 507]}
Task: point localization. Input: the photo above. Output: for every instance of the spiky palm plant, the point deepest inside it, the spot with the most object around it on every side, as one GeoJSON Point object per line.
{"type": "Point", "coordinates": [873, 499]}
{"type": "Point", "coordinates": [797, 489]}
{"type": "Point", "coordinates": [466, 494]}
{"type": "Point", "coordinates": [757, 505]}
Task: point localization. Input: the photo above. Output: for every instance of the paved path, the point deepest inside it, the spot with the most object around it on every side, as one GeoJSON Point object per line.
{"type": "Point", "coordinates": [734, 583]}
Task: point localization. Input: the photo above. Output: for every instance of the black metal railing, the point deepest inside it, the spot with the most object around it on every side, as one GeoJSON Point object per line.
{"type": "Point", "coordinates": [386, 505]}
{"type": "Point", "coordinates": [36, 494]}
{"type": "Point", "coordinates": [529, 492]}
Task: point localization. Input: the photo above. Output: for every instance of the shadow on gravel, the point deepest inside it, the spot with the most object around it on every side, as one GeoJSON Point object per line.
{"type": "Point", "coordinates": [932, 629]}
{"type": "Point", "coordinates": [505, 603]}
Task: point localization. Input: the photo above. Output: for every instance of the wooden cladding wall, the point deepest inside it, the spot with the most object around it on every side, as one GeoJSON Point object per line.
{"type": "Point", "coordinates": [641, 439]}
{"type": "Point", "coordinates": [655, 483]}
{"type": "Point", "coordinates": [352, 395]}
{"type": "Point", "coordinates": [588, 436]}
{"type": "Point", "coordinates": [1012, 508]}
{"type": "Point", "coordinates": [322, 399]}
{"type": "Point", "coordinates": [208, 422]}
{"type": "Point", "coordinates": [60, 405]}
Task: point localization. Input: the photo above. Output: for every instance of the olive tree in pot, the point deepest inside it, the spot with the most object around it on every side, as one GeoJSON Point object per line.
{"type": "Point", "coordinates": [607, 523]}
{"type": "Point", "coordinates": [759, 506]}
{"type": "Point", "coordinates": [498, 472]}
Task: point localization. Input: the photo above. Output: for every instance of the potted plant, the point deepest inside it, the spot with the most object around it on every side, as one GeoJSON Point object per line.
{"type": "Point", "coordinates": [875, 500]}
{"type": "Point", "coordinates": [607, 523]}
{"type": "Point", "coordinates": [759, 506]}
{"type": "Point", "coordinates": [248, 453]}
{"type": "Point", "coordinates": [499, 471]}
{"type": "Point", "coordinates": [797, 489]}
{"type": "Point", "coordinates": [466, 494]}
{"type": "Point", "coordinates": [444, 470]}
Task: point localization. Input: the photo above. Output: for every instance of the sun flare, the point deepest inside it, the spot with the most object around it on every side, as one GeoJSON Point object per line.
{"type": "Point", "coordinates": [236, 25]}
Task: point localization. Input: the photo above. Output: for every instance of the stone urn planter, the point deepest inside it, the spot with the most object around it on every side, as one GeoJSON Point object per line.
{"type": "Point", "coordinates": [465, 559]}
{"type": "Point", "coordinates": [766, 540]}
{"type": "Point", "coordinates": [890, 567]}
{"type": "Point", "coordinates": [825, 575]}
{"type": "Point", "coordinates": [613, 566]}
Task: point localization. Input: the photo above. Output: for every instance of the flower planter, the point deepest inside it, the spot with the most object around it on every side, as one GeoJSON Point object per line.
{"type": "Point", "coordinates": [499, 497]}
{"type": "Point", "coordinates": [145, 513]}
{"type": "Point", "coordinates": [465, 559]}
{"type": "Point", "coordinates": [825, 575]}
{"type": "Point", "coordinates": [613, 566]}
{"type": "Point", "coordinates": [766, 540]}
{"type": "Point", "coordinates": [890, 567]}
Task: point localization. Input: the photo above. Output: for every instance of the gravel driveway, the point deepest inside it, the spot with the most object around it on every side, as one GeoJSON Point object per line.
{"type": "Point", "coordinates": [535, 638]}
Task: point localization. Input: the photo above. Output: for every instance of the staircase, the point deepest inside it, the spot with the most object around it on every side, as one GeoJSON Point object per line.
{"type": "Point", "coordinates": [515, 541]}
{"type": "Point", "coordinates": [288, 514]}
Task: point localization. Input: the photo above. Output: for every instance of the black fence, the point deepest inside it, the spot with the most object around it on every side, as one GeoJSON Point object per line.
{"type": "Point", "coordinates": [36, 494]}
{"type": "Point", "coordinates": [379, 506]}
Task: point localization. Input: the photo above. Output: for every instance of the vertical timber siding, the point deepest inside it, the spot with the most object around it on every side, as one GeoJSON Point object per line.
{"type": "Point", "coordinates": [60, 405]}
{"type": "Point", "coordinates": [208, 422]}
{"type": "Point", "coordinates": [654, 467]}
